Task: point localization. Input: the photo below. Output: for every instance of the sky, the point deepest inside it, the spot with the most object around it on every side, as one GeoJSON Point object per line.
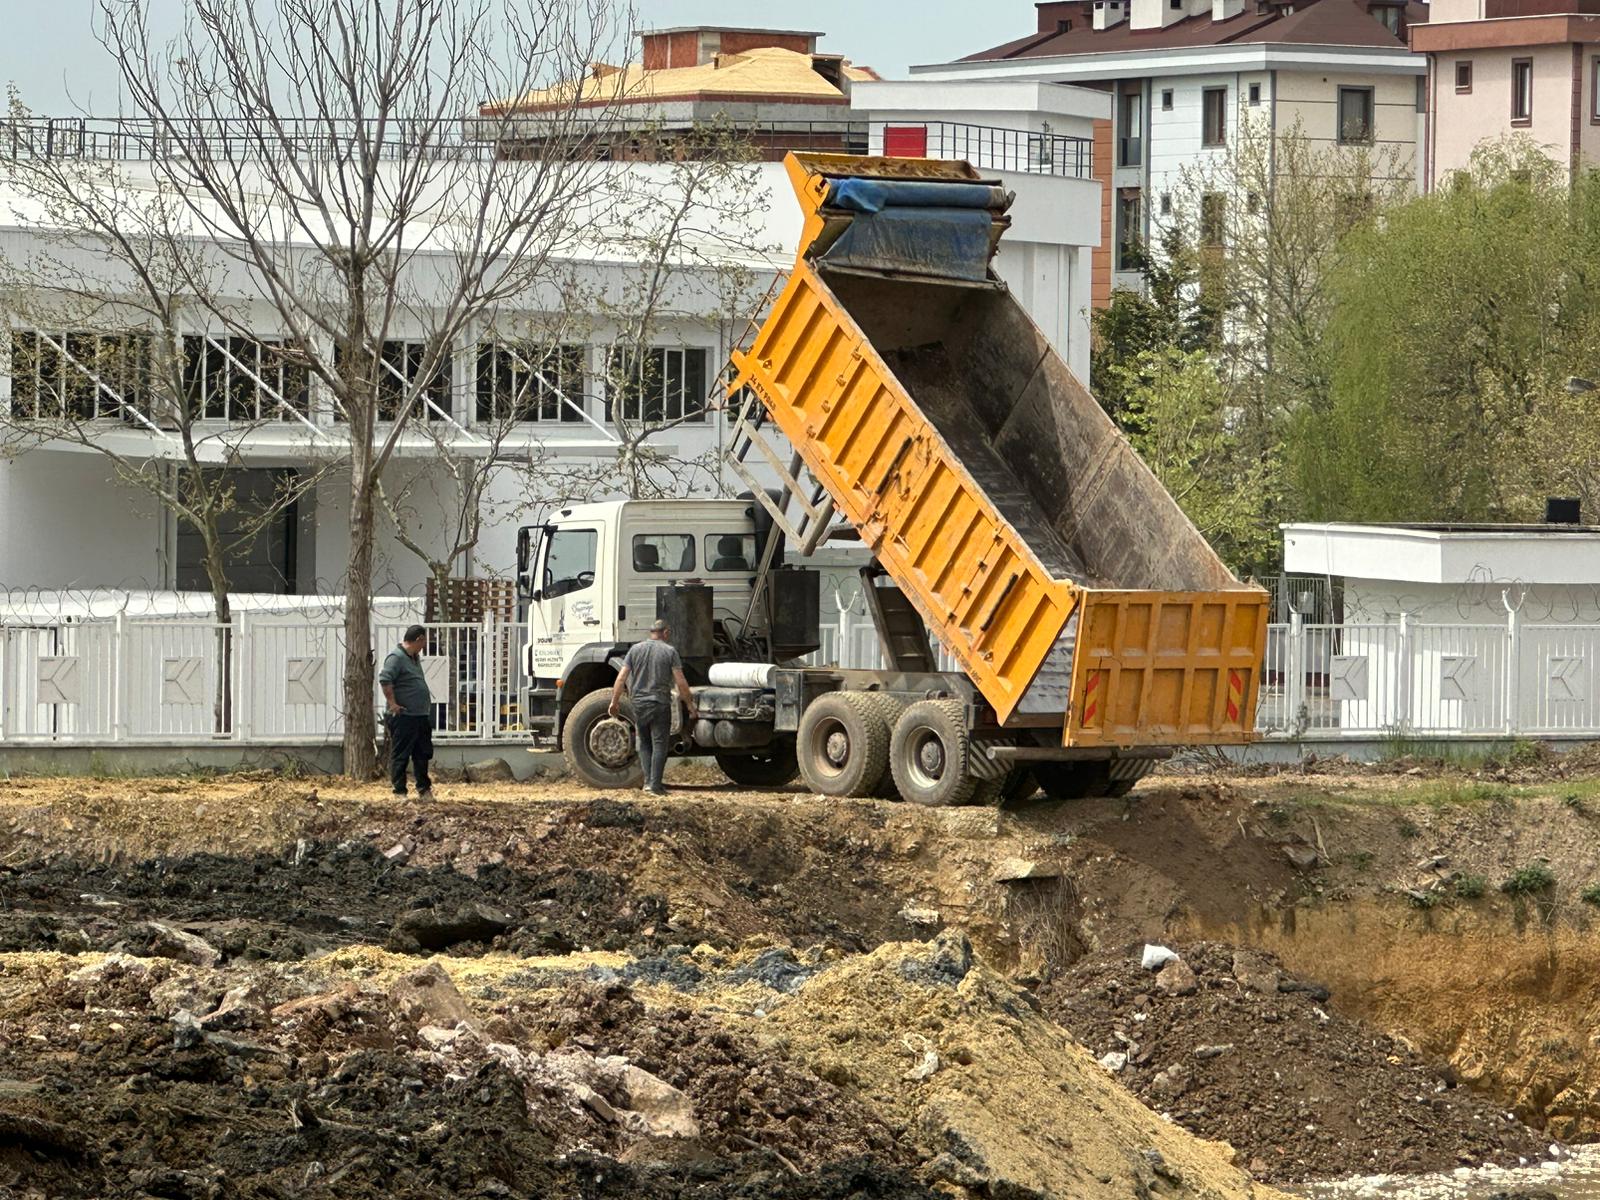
{"type": "Point", "coordinates": [50, 53]}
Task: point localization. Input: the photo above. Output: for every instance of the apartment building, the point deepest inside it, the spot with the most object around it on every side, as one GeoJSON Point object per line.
{"type": "Point", "coordinates": [1184, 76]}
{"type": "Point", "coordinates": [1503, 67]}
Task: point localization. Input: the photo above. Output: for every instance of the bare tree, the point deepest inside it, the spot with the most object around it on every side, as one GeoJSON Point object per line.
{"type": "Point", "coordinates": [321, 145]}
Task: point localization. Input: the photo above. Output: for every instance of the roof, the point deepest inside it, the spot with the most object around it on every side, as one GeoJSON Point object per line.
{"type": "Point", "coordinates": [762, 29]}
{"type": "Point", "coordinates": [1317, 23]}
{"type": "Point", "coordinates": [1446, 554]}
{"type": "Point", "coordinates": [768, 72]}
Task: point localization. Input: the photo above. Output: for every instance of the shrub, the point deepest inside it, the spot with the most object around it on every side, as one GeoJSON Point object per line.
{"type": "Point", "coordinates": [1470, 887]}
{"type": "Point", "coordinates": [1535, 877]}
{"type": "Point", "coordinates": [1591, 894]}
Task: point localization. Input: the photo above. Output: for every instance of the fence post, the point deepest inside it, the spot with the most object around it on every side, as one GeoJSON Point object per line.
{"type": "Point", "coordinates": [1295, 693]}
{"type": "Point", "coordinates": [242, 689]}
{"type": "Point", "coordinates": [488, 677]}
{"type": "Point", "coordinates": [119, 659]}
{"type": "Point", "coordinates": [1402, 690]}
{"type": "Point", "coordinates": [1513, 690]}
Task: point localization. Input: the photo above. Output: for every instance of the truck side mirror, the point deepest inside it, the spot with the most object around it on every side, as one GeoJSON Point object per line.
{"type": "Point", "coordinates": [525, 546]}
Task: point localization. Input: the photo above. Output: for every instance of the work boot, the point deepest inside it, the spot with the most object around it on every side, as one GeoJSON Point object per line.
{"type": "Point", "coordinates": [426, 797]}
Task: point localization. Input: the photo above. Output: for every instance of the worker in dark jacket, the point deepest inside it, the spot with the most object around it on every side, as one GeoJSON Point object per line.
{"type": "Point", "coordinates": [410, 713]}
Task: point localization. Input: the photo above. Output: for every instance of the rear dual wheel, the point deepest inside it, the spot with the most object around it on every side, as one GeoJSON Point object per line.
{"type": "Point", "coordinates": [843, 744]}
{"type": "Point", "coordinates": [1080, 780]}
{"type": "Point", "coordinates": [928, 754]}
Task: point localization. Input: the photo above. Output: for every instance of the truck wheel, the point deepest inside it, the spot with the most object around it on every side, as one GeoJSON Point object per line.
{"type": "Point", "coordinates": [889, 710]}
{"type": "Point", "coordinates": [842, 745]}
{"type": "Point", "coordinates": [928, 754]}
{"type": "Point", "coordinates": [1080, 780]}
{"type": "Point", "coordinates": [1019, 785]}
{"type": "Point", "coordinates": [598, 747]}
{"type": "Point", "coordinates": [770, 768]}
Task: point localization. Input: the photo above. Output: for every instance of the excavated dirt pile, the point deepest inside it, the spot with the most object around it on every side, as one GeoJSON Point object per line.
{"type": "Point", "coordinates": [1234, 1048]}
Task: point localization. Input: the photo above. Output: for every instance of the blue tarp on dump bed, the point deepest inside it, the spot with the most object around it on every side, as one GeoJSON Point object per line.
{"type": "Point", "coordinates": [932, 229]}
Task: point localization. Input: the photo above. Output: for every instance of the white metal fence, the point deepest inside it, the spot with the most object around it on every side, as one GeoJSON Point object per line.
{"type": "Point", "coordinates": [279, 678]}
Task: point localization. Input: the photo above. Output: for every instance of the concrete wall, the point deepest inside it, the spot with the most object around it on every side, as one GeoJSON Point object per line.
{"type": "Point", "coordinates": [1313, 99]}
{"type": "Point", "coordinates": [66, 522]}
{"type": "Point", "coordinates": [1463, 119]}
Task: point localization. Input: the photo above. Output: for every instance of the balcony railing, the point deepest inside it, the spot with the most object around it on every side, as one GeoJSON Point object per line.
{"type": "Point", "coordinates": [989, 148]}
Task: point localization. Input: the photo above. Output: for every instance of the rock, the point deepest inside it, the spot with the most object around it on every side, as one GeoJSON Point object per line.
{"type": "Point", "coordinates": [431, 929]}
{"type": "Point", "coordinates": [928, 1064]}
{"type": "Point", "coordinates": [1316, 991]}
{"type": "Point", "coordinates": [1155, 957]}
{"type": "Point", "coordinates": [437, 1037]}
{"type": "Point", "coordinates": [165, 941]}
{"type": "Point", "coordinates": [1300, 856]}
{"type": "Point", "coordinates": [919, 916]}
{"type": "Point", "coordinates": [400, 853]}
{"type": "Point", "coordinates": [1171, 1083]}
{"type": "Point", "coordinates": [329, 1006]}
{"type": "Point", "coordinates": [426, 996]}
{"type": "Point", "coordinates": [113, 966]}
{"type": "Point", "coordinates": [1012, 870]}
{"type": "Point", "coordinates": [657, 1108]}
{"type": "Point", "coordinates": [1114, 1061]}
{"type": "Point", "coordinates": [1212, 1051]}
{"type": "Point", "coordinates": [1177, 978]}
{"type": "Point", "coordinates": [186, 1031]}
{"type": "Point", "coordinates": [490, 770]}
{"type": "Point", "coordinates": [448, 774]}
{"type": "Point", "coordinates": [1255, 973]}
{"type": "Point", "coordinates": [240, 1008]}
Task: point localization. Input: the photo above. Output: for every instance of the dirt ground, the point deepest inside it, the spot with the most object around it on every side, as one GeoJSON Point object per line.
{"type": "Point", "coordinates": [209, 987]}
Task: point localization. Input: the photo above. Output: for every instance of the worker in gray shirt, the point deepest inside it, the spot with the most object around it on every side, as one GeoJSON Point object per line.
{"type": "Point", "coordinates": [649, 672]}
{"type": "Point", "coordinates": [410, 713]}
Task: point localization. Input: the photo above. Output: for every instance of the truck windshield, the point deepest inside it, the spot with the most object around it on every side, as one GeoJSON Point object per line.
{"type": "Point", "coordinates": [569, 562]}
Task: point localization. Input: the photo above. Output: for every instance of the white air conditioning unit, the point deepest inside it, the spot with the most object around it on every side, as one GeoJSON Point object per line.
{"type": "Point", "coordinates": [1221, 10]}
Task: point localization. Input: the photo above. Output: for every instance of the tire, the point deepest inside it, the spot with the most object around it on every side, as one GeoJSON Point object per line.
{"type": "Point", "coordinates": [889, 710]}
{"type": "Point", "coordinates": [843, 745]}
{"type": "Point", "coordinates": [1019, 785]}
{"type": "Point", "coordinates": [1080, 780]}
{"type": "Point", "coordinates": [592, 745]}
{"type": "Point", "coordinates": [771, 767]}
{"type": "Point", "coordinates": [928, 754]}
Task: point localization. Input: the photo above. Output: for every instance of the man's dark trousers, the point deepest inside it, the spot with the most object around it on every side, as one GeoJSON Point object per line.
{"type": "Point", "coordinates": [652, 719]}
{"type": "Point", "coordinates": [410, 741]}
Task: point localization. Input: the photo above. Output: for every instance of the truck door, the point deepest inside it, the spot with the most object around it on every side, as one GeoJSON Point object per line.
{"type": "Point", "coordinates": [568, 607]}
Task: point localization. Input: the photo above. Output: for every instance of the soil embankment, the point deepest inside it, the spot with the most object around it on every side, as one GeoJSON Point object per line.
{"type": "Point", "coordinates": [211, 988]}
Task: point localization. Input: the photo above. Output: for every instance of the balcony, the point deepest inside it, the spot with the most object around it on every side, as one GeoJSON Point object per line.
{"type": "Point", "coordinates": [988, 148]}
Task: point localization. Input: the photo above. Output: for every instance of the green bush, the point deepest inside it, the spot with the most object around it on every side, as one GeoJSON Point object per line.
{"type": "Point", "coordinates": [1591, 894]}
{"type": "Point", "coordinates": [1536, 877]}
{"type": "Point", "coordinates": [1470, 887]}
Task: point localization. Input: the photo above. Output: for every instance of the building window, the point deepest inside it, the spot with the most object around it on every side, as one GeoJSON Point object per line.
{"type": "Point", "coordinates": [1130, 128]}
{"type": "Point", "coordinates": [1522, 91]}
{"type": "Point", "coordinates": [241, 379]}
{"type": "Point", "coordinates": [1175, 5]}
{"type": "Point", "coordinates": [1213, 116]}
{"type": "Point", "coordinates": [399, 371]}
{"type": "Point", "coordinates": [1464, 76]}
{"type": "Point", "coordinates": [1255, 94]}
{"type": "Point", "coordinates": [1166, 204]}
{"type": "Point", "coordinates": [529, 383]}
{"type": "Point", "coordinates": [1355, 116]}
{"type": "Point", "coordinates": [79, 375]}
{"type": "Point", "coordinates": [1213, 219]}
{"type": "Point", "coordinates": [664, 384]}
{"type": "Point", "coordinates": [1422, 93]}
{"type": "Point", "coordinates": [1594, 90]}
{"type": "Point", "coordinates": [1166, 99]}
{"type": "Point", "coordinates": [1252, 203]}
{"type": "Point", "coordinates": [1389, 16]}
{"type": "Point", "coordinates": [1130, 230]}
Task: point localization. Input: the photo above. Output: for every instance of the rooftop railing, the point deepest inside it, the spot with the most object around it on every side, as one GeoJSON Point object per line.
{"type": "Point", "coordinates": [990, 148]}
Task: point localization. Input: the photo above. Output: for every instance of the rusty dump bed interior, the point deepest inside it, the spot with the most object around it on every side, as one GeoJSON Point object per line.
{"type": "Point", "coordinates": [1040, 445]}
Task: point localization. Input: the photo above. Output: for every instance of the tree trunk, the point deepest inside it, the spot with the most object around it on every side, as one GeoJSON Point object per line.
{"type": "Point", "coordinates": [217, 574]}
{"type": "Point", "coordinates": [360, 727]}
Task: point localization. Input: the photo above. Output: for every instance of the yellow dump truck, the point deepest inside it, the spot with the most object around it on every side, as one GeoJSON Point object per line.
{"type": "Point", "coordinates": [922, 411]}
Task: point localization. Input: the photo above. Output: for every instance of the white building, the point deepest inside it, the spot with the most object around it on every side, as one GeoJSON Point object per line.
{"type": "Point", "coordinates": [1445, 629]}
{"type": "Point", "coordinates": [69, 525]}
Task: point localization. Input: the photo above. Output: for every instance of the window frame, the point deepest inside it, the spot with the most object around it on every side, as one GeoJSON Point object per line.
{"type": "Point", "coordinates": [1210, 221]}
{"type": "Point", "coordinates": [204, 364]}
{"type": "Point", "coordinates": [1594, 89]}
{"type": "Point", "coordinates": [57, 384]}
{"type": "Point", "coordinates": [1463, 89]}
{"type": "Point", "coordinates": [748, 540]}
{"type": "Point", "coordinates": [540, 405]}
{"type": "Point", "coordinates": [545, 582]}
{"type": "Point", "coordinates": [1369, 135]}
{"type": "Point", "coordinates": [1524, 119]}
{"type": "Point", "coordinates": [615, 391]}
{"type": "Point", "coordinates": [1221, 99]}
{"type": "Point", "coordinates": [1255, 95]}
{"type": "Point", "coordinates": [662, 535]}
{"type": "Point", "coordinates": [1124, 203]}
{"type": "Point", "coordinates": [1166, 99]}
{"type": "Point", "coordinates": [441, 388]}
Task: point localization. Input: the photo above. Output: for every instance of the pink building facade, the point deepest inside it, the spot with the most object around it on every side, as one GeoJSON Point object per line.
{"type": "Point", "coordinates": [1499, 67]}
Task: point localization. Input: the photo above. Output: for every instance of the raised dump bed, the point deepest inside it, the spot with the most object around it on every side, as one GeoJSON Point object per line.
{"type": "Point", "coordinates": [990, 484]}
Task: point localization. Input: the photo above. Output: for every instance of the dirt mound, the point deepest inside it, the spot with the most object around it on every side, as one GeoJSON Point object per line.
{"type": "Point", "coordinates": [109, 1087]}
{"type": "Point", "coordinates": [1236, 1050]}
{"type": "Point", "coordinates": [999, 1098]}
